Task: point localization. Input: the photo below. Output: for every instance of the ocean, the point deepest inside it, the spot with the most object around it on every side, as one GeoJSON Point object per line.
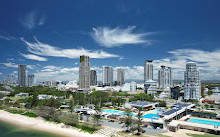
{"type": "Point", "coordinates": [9, 130]}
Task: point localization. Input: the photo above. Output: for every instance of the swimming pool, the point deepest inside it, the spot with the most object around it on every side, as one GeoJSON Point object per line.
{"type": "Point", "coordinates": [116, 112]}
{"type": "Point", "coordinates": [154, 116]}
{"type": "Point", "coordinates": [154, 111]}
{"type": "Point", "coordinates": [208, 122]}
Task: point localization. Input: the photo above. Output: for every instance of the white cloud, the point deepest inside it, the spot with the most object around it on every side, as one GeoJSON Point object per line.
{"type": "Point", "coordinates": [13, 65]}
{"type": "Point", "coordinates": [7, 37]}
{"type": "Point", "coordinates": [32, 19]}
{"type": "Point", "coordinates": [208, 62]}
{"type": "Point", "coordinates": [115, 37]}
{"type": "Point", "coordinates": [0, 73]}
{"type": "Point", "coordinates": [34, 57]}
{"type": "Point", "coordinates": [9, 64]}
{"type": "Point", "coordinates": [42, 49]}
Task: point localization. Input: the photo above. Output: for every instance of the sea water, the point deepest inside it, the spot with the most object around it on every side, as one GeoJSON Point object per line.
{"type": "Point", "coordinates": [9, 130]}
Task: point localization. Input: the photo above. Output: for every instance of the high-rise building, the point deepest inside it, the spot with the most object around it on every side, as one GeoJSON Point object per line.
{"type": "Point", "coordinates": [22, 75]}
{"type": "Point", "coordinates": [192, 84]}
{"type": "Point", "coordinates": [107, 76]}
{"type": "Point", "coordinates": [31, 80]}
{"type": "Point", "coordinates": [93, 78]}
{"type": "Point", "coordinates": [120, 76]}
{"type": "Point", "coordinates": [148, 70]}
{"type": "Point", "coordinates": [84, 72]}
{"type": "Point", "coordinates": [165, 77]}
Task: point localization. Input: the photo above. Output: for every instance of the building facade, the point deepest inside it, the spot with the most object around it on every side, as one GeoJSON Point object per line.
{"type": "Point", "coordinates": [133, 86]}
{"type": "Point", "coordinates": [31, 80]}
{"type": "Point", "coordinates": [22, 75]}
{"type": "Point", "coordinates": [93, 78]}
{"type": "Point", "coordinates": [192, 84]}
{"type": "Point", "coordinates": [120, 76]}
{"type": "Point", "coordinates": [175, 92]}
{"type": "Point", "coordinates": [107, 76]}
{"type": "Point", "coordinates": [84, 73]}
{"type": "Point", "coordinates": [148, 70]}
{"type": "Point", "coordinates": [165, 77]}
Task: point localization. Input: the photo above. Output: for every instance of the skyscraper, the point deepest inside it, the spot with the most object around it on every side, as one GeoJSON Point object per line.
{"type": "Point", "coordinates": [192, 85]}
{"type": "Point", "coordinates": [148, 70]}
{"type": "Point", "coordinates": [120, 76]}
{"type": "Point", "coordinates": [31, 80]}
{"type": "Point", "coordinates": [84, 72]}
{"type": "Point", "coordinates": [107, 76]}
{"type": "Point", "coordinates": [93, 78]}
{"type": "Point", "coordinates": [22, 75]}
{"type": "Point", "coordinates": [165, 77]}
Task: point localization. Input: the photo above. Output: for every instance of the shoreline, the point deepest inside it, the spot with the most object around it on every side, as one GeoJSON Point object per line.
{"type": "Point", "coordinates": [41, 125]}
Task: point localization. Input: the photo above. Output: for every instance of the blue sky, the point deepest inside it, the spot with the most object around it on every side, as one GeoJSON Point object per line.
{"type": "Point", "coordinates": [49, 36]}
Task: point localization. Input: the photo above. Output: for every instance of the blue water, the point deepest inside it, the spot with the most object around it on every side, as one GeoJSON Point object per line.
{"type": "Point", "coordinates": [122, 113]}
{"type": "Point", "coordinates": [150, 116]}
{"type": "Point", "coordinates": [208, 122]}
{"type": "Point", "coordinates": [116, 112]}
{"type": "Point", "coordinates": [154, 111]}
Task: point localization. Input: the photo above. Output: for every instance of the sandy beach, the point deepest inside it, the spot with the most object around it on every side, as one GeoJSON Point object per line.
{"type": "Point", "coordinates": [40, 124]}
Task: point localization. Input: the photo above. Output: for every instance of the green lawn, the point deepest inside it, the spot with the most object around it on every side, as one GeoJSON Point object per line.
{"type": "Point", "coordinates": [205, 135]}
{"type": "Point", "coordinates": [17, 98]}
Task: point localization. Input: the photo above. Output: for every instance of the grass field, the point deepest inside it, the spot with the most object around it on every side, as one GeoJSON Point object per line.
{"type": "Point", "coordinates": [205, 135]}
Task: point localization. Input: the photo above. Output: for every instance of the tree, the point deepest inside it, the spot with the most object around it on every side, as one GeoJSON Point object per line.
{"type": "Point", "coordinates": [139, 121]}
{"type": "Point", "coordinates": [70, 119]}
{"type": "Point", "coordinates": [209, 92]}
{"type": "Point", "coordinates": [71, 105]}
{"type": "Point", "coordinates": [128, 119]}
{"type": "Point", "coordinates": [97, 117]}
{"type": "Point", "coordinates": [47, 112]}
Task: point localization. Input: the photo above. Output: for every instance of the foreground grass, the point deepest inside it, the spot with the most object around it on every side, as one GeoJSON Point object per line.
{"type": "Point", "coordinates": [30, 114]}
{"type": "Point", "coordinates": [204, 135]}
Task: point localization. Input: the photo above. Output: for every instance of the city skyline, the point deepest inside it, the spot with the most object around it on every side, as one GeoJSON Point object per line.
{"type": "Point", "coordinates": [124, 34]}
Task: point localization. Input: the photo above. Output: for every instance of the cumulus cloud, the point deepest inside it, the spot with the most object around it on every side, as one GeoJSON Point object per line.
{"type": "Point", "coordinates": [34, 57]}
{"type": "Point", "coordinates": [115, 37]}
{"type": "Point", "coordinates": [42, 49]}
{"type": "Point", "coordinates": [32, 19]}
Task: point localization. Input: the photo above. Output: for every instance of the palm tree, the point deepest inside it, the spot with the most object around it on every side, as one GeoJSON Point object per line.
{"type": "Point", "coordinates": [128, 120]}
{"type": "Point", "coordinates": [139, 122]}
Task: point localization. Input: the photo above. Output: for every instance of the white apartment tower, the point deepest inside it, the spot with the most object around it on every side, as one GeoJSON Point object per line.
{"type": "Point", "coordinates": [22, 75]}
{"type": "Point", "coordinates": [120, 76]}
{"type": "Point", "coordinates": [192, 84]}
{"type": "Point", "coordinates": [148, 70]}
{"type": "Point", "coordinates": [165, 77]}
{"type": "Point", "coordinates": [31, 80]}
{"type": "Point", "coordinates": [93, 78]}
{"type": "Point", "coordinates": [107, 76]}
{"type": "Point", "coordinates": [84, 72]}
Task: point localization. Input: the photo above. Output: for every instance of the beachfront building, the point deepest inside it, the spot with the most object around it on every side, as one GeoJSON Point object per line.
{"type": "Point", "coordinates": [148, 70]}
{"type": "Point", "coordinates": [165, 77]}
{"type": "Point", "coordinates": [192, 84]}
{"type": "Point", "coordinates": [31, 80]}
{"type": "Point", "coordinates": [151, 87]}
{"type": "Point", "coordinates": [84, 73]}
{"type": "Point", "coordinates": [142, 105]}
{"type": "Point", "coordinates": [107, 76]}
{"type": "Point", "coordinates": [120, 76]}
{"type": "Point", "coordinates": [133, 86]}
{"type": "Point", "coordinates": [22, 75]}
{"type": "Point", "coordinates": [93, 78]}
